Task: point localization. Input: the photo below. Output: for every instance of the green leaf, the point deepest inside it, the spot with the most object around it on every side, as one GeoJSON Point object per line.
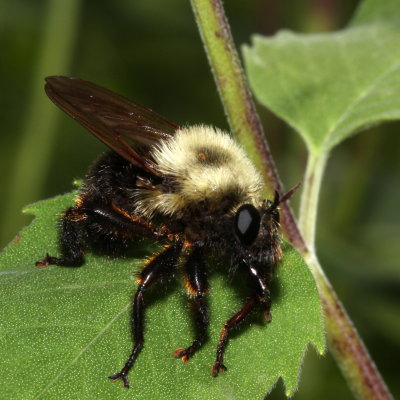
{"type": "Point", "coordinates": [328, 86]}
{"type": "Point", "coordinates": [65, 330]}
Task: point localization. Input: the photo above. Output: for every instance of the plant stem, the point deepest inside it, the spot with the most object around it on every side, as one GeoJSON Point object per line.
{"type": "Point", "coordinates": [310, 195]}
{"type": "Point", "coordinates": [343, 340]}
{"type": "Point", "coordinates": [238, 103]}
{"type": "Point", "coordinates": [345, 344]}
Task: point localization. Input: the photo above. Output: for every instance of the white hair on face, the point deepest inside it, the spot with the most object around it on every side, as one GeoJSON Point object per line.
{"type": "Point", "coordinates": [205, 165]}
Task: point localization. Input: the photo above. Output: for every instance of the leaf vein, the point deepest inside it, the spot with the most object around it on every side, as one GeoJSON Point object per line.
{"type": "Point", "coordinates": [359, 99]}
{"type": "Point", "coordinates": [78, 356]}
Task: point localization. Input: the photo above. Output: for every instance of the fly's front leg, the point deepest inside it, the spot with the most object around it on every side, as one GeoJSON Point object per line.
{"type": "Point", "coordinates": [231, 323]}
{"type": "Point", "coordinates": [157, 267]}
{"type": "Point", "coordinates": [258, 282]}
{"type": "Point", "coordinates": [197, 286]}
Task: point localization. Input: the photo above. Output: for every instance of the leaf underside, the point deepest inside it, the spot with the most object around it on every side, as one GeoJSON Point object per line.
{"type": "Point", "coordinates": [328, 86]}
{"type": "Point", "coordinates": [65, 330]}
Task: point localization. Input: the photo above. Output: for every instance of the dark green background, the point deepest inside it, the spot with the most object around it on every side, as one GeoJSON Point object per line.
{"type": "Point", "coordinates": [151, 52]}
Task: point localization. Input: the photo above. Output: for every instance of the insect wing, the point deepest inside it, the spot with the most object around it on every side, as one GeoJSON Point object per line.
{"type": "Point", "coordinates": [126, 127]}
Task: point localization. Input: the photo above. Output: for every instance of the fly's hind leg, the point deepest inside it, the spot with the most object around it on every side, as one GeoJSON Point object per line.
{"type": "Point", "coordinates": [80, 223]}
{"type": "Point", "coordinates": [72, 240]}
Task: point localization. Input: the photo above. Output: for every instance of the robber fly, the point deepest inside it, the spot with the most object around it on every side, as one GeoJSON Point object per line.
{"type": "Point", "coordinates": [192, 188]}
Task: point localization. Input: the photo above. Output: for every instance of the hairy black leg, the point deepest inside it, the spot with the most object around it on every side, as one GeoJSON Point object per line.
{"type": "Point", "coordinates": [78, 221]}
{"type": "Point", "coordinates": [72, 240]}
{"type": "Point", "coordinates": [197, 286]}
{"type": "Point", "coordinates": [258, 282]}
{"type": "Point", "coordinates": [158, 267]}
{"type": "Point", "coordinates": [121, 221]}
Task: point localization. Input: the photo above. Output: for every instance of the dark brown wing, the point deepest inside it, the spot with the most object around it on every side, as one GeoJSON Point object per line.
{"type": "Point", "coordinates": [126, 127]}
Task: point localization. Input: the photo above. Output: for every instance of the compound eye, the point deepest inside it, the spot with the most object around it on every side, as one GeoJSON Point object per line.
{"type": "Point", "coordinates": [247, 224]}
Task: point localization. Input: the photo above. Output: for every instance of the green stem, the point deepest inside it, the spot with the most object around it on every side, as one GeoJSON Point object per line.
{"type": "Point", "coordinates": [343, 340]}
{"type": "Point", "coordinates": [237, 101]}
{"type": "Point", "coordinates": [310, 195]}
{"type": "Point", "coordinates": [345, 344]}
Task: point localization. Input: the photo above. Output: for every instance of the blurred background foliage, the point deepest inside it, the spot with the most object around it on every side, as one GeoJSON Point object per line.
{"type": "Point", "coordinates": [150, 51]}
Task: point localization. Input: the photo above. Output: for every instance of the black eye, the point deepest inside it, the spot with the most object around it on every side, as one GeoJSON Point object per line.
{"type": "Point", "coordinates": [247, 224]}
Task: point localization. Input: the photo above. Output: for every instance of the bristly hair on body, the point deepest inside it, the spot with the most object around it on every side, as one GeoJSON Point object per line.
{"type": "Point", "coordinates": [205, 166]}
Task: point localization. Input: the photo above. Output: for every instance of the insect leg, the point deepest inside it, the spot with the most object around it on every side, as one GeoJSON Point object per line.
{"type": "Point", "coordinates": [81, 223]}
{"type": "Point", "coordinates": [258, 281]}
{"type": "Point", "coordinates": [124, 222]}
{"type": "Point", "coordinates": [72, 240]}
{"type": "Point", "coordinates": [157, 267]}
{"type": "Point", "coordinates": [197, 285]}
